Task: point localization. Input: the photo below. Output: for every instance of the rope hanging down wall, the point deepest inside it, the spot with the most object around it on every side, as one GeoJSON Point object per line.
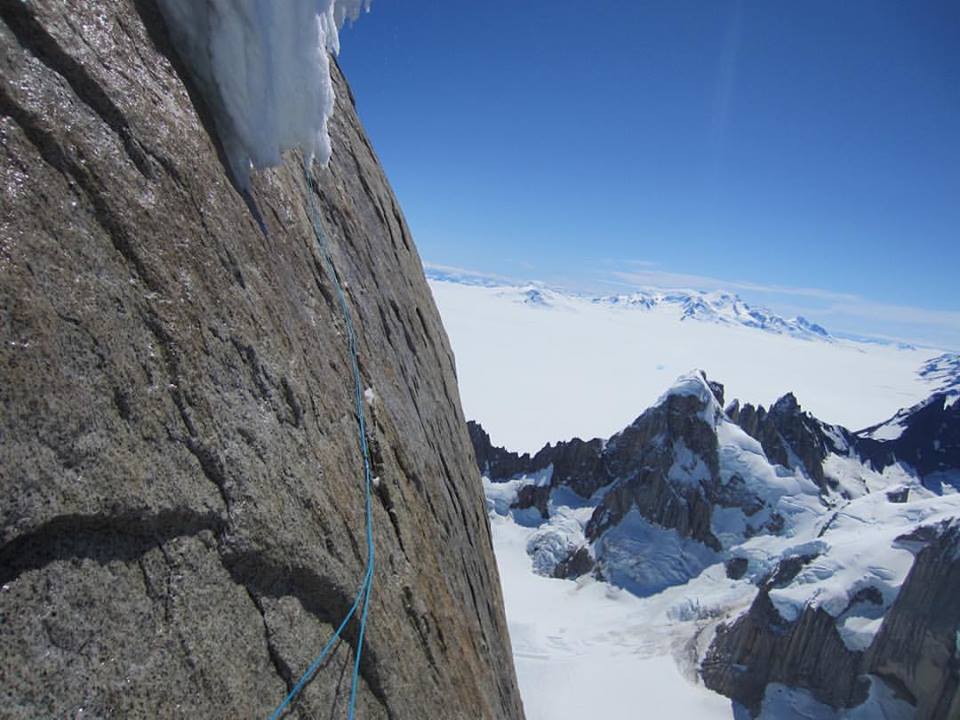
{"type": "Point", "coordinates": [362, 600]}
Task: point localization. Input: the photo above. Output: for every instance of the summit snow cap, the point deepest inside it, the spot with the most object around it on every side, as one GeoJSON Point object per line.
{"type": "Point", "coordinates": [264, 69]}
{"type": "Point", "coordinates": [697, 384]}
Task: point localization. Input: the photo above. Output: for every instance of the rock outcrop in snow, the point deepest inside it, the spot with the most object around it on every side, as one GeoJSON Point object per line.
{"type": "Point", "coordinates": [944, 372]}
{"type": "Point", "coordinates": [914, 649]}
{"type": "Point", "coordinates": [181, 502]}
{"type": "Point", "coordinates": [793, 438]}
{"type": "Point", "coordinates": [575, 463]}
{"type": "Point", "coordinates": [925, 436]}
{"type": "Point", "coordinates": [832, 548]}
{"type": "Point", "coordinates": [761, 648]}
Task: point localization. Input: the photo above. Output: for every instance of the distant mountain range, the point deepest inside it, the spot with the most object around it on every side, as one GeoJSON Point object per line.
{"type": "Point", "coordinates": [716, 307]}
{"type": "Point", "coordinates": [720, 307]}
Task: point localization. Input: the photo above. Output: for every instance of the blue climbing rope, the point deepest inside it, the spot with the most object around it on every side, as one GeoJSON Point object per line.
{"type": "Point", "coordinates": [363, 594]}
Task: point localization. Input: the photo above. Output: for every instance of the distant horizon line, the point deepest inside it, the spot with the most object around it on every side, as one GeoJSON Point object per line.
{"type": "Point", "coordinates": [441, 271]}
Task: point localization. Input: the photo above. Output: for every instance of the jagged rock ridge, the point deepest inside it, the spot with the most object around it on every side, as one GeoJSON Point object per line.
{"type": "Point", "coordinates": [181, 512]}
{"type": "Point", "coordinates": [834, 607]}
{"type": "Point", "coordinates": [926, 436]}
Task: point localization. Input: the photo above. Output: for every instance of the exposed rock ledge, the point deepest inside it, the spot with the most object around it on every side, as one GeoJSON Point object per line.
{"type": "Point", "coordinates": [181, 516]}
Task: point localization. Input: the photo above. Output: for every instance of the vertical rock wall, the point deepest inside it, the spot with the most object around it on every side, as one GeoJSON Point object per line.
{"type": "Point", "coordinates": [918, 647]}
{"type": "Point", "coordinates": [181, 508]}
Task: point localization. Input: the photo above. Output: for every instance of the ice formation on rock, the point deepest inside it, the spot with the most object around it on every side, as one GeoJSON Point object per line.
{"type": "Point", "coordinates": [264, 69]}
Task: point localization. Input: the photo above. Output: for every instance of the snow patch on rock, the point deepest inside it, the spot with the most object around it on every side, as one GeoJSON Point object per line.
{"type": "Point", "coordinates": [644, 558]}
{"type": "Point", "coordinates": [554, 542]}
{"type": "Point", "coordinates": [781, 701]}
{"type": "Point", "coordinates": [264, 69]}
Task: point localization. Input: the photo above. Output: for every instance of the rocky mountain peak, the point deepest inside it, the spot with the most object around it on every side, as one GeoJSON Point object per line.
{"type": "Point", "coordinates": [844, 573]}
{"type": "Point", "coordinates": [641, 458]}
{"type": "Point", "coordinates": [925, 436]}
{"type": "Point", "coordinates": [792, 437]}
{"type": "Point", "coordinates": [669, 466]}
{"type": "Point", "coordinates": [708, 394]}
{"type": "Point", "coordinates": [786, 405]}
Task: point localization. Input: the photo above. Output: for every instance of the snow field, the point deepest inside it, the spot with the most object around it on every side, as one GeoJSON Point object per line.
{"type": "Point", "coordinates": [586, 369]}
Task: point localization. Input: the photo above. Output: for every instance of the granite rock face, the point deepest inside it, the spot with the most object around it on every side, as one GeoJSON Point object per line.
{"type": "Point", "coordinates": [917, 649]}
{"type": "Point", "coordinates": [761, 648]}
{"type": "Point", "coordinates": [641, 457]}
{"type": "Point", "coordinates": [181, 507]}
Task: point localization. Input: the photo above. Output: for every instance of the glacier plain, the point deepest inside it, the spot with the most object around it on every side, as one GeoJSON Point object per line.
{"type": "Point", "coordinates": [586, 368]}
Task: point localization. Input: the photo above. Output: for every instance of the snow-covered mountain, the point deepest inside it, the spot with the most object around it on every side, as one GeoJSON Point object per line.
{"type": "Point", "coordinates": [925, 436]}
{"type": "Point", "coordinates": [794, 566]}
{"type": "Point", "coordinates": [716, 307]}
{"type": "Point", "coordinates": [719, 307]}
{"type": "Point", "coordinates": [582, 365]}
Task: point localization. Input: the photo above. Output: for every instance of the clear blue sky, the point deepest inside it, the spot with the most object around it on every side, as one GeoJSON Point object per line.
{"type": "Point", "coordinates": [805, 155]}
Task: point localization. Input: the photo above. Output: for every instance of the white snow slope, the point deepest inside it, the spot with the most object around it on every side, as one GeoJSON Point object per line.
{"type": "Point", "coordinates": [588, 649]}
{"type": "Point", "coordinates": [586, 367]}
